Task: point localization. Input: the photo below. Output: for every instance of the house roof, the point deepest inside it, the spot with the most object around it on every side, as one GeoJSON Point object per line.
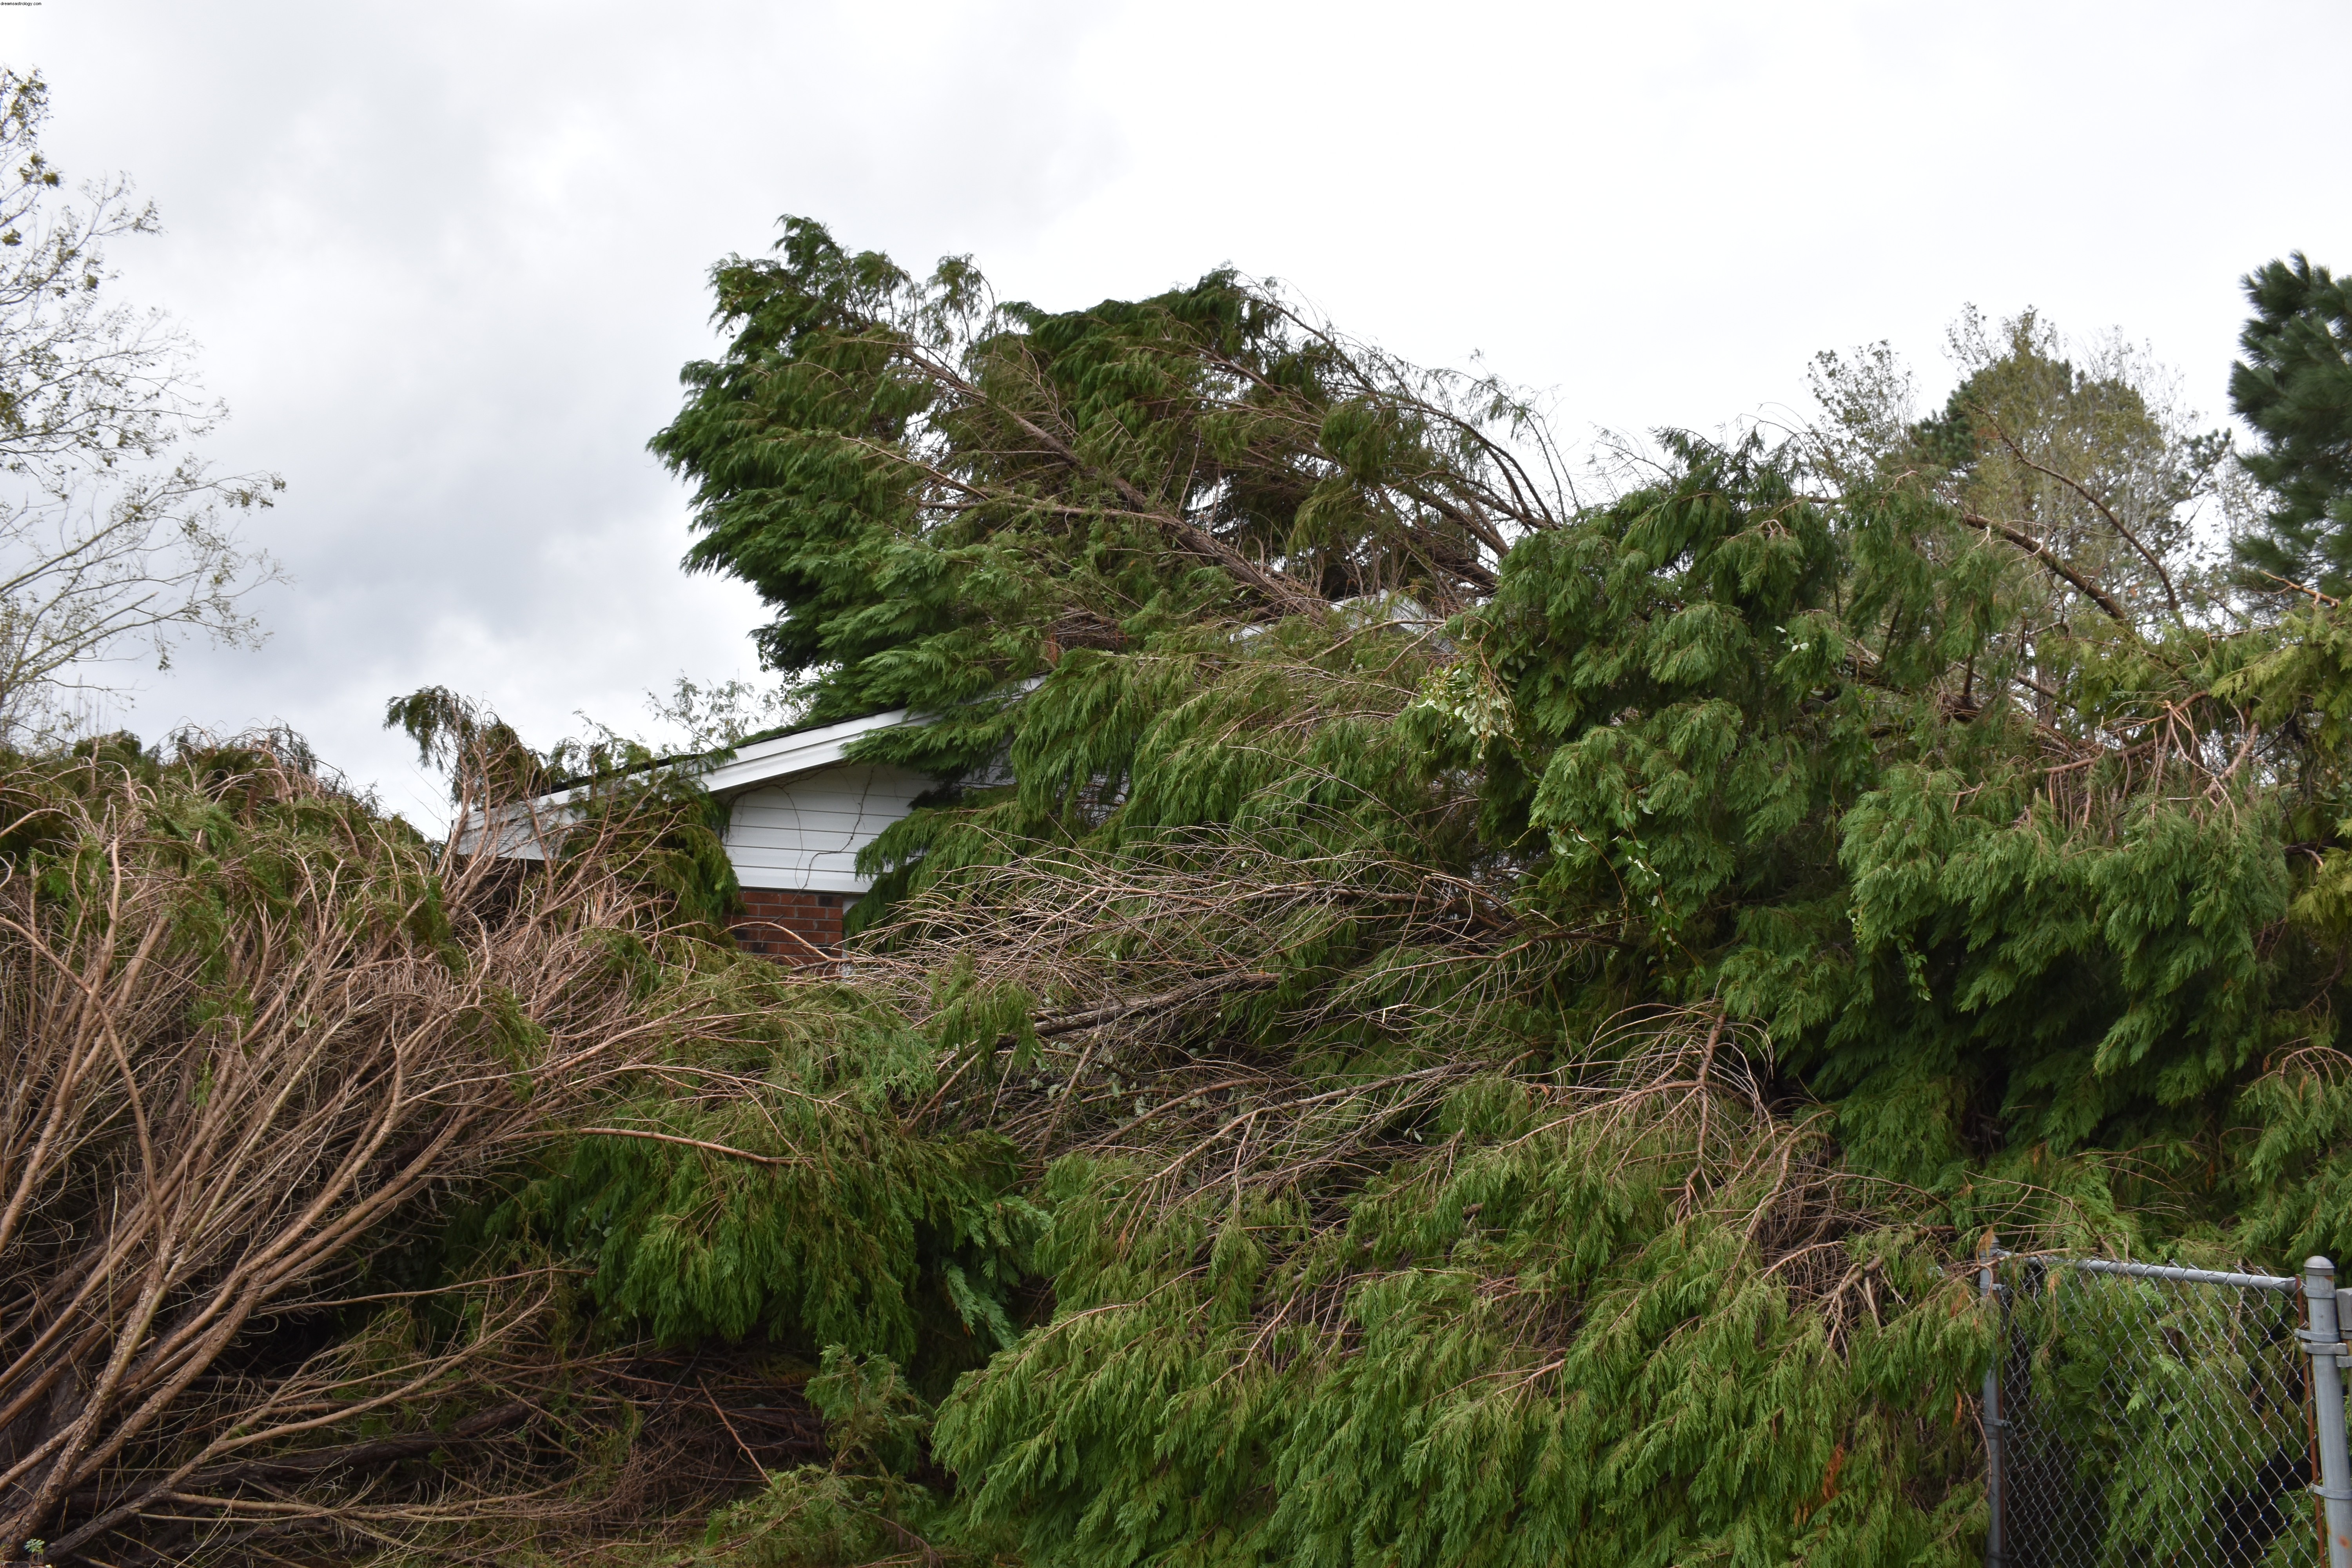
{"type": "Point", "coordinates": [797, 751]}
{"type": "Point", "coordinates": [522, 825]}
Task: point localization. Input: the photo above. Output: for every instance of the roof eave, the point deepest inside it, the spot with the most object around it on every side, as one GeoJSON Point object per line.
{"type": "Point", "coordinates": [764, 762]}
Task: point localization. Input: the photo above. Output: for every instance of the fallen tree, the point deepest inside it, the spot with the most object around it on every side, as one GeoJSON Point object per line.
{"type": "Point", "coordinates": [1518, 1059]}
{"type": "Point", "coordinates": [1426, 1022]}
{"type": "Point", "coordinates": [267, 1046]}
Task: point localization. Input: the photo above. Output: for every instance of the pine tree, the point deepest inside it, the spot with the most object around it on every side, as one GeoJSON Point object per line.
{"type": "Point", "coordinates": [2294, 387]}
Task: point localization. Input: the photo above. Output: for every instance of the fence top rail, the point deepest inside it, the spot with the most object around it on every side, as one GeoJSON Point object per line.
{"type": "Point", "coordinates": [2181, 1275]}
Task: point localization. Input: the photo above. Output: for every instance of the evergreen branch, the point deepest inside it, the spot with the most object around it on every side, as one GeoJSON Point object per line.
{"type": "Point", "coordinates": [2050, 558]}
{"type": "Point", "coordinates": [1529, 509]}
{"type": "Point", "coordinates": [1277, 588]}
{"type": "Point", "coordinates": [730, 1153]}
{"type": "Point", "coordinates": [2163, 577]}
{"type": "Point", "coordinates": [1166, 1001]}
{"type": "Point", "coordinates": [2315, 596]}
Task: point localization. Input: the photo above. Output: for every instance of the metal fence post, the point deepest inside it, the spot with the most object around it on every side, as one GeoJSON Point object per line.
{"type": "Point", "coordinates": [1996, 1549]}
{"type": "Point", "coordinates": [2323, 1341]}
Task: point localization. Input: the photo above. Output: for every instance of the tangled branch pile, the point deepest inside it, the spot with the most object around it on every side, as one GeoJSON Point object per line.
{"type": "Point", "coordinates": [1425, 1023]}
{"type": "Point", "coordinates": [279, 1069]}
{"type": "Point", "coordinates": [1518, 1011]}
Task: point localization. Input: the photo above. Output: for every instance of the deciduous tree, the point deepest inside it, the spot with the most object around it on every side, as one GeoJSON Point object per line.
{"type": "Point", "coordinates": [115, 543]}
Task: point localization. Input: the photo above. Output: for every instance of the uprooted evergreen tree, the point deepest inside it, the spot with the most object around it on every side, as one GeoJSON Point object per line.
{"type": "Point", "coordinates": [1429, 1020]}
{"type": "Point", "coordinates": [1515, 1009]}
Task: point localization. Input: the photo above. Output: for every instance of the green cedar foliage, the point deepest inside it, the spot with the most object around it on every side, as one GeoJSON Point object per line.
{"type": "Point", "coordinates": [1429, 1022]}
{"type": "Point", "coordinates": [609, 795]}
{"type": "Point", "coordinates": [1730, 743]}
{"type": "Point", "coordinates": [750, 1179]}
{"type": "Point", "coordinates": [782, 1200]}
{"type": "Point", "coordinates": [2294, 387]}
{"type": "Point", "coordinates": [1788, 748]}
{"type": "Point", "coordinates": [940, 493]}
{"type": "Point", "coordinates": [1549, 1338]}
{"type": "Point", "coordinates": [1514, 1011]}
{"type": "Point", "coordinates": [862, 1507]}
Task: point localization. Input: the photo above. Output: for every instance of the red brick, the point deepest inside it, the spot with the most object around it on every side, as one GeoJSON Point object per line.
{"type": "Point", "coordinates": [792, 926]}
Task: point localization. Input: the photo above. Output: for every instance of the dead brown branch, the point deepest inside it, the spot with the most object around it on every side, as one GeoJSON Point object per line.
{"type": "Point", "coordinates": [229, 1069]}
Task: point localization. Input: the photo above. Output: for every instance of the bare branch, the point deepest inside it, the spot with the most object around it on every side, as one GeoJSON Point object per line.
{"type": "Point", "coordinates": [2162, 576]}
{"type": "Point", "coordinates": [2050, 558]}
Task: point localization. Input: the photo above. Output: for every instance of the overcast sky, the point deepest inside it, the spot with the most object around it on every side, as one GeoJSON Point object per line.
{"type": "Point", "coordinates": [445, 261]}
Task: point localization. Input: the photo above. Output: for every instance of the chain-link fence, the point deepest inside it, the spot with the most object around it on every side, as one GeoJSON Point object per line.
{"type": "Point", "coordinates": [2149, 1415]}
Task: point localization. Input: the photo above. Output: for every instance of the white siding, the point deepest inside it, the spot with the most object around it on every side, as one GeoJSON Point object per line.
{"type": "Point", "coordinates": [806, 832]}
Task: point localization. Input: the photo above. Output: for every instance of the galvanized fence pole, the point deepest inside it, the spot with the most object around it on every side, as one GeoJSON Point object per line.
{"type": "Point", "coordinates": [1996, 1550]}
{"type": "Point", "coordinates": [2323, 1341]}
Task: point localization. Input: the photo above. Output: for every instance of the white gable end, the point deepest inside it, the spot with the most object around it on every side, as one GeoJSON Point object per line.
{"type": "Point", "coordinates": [799, 812]}
{"type": "Point", "coordinates": [807, 831]}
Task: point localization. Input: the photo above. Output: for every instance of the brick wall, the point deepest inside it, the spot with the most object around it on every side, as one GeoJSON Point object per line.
{"type": "Point", "coordinates": [790, 926]}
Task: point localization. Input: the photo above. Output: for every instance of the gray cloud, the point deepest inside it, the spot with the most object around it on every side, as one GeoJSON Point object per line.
{"type": "Point", "coordinates": [445, 260]}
